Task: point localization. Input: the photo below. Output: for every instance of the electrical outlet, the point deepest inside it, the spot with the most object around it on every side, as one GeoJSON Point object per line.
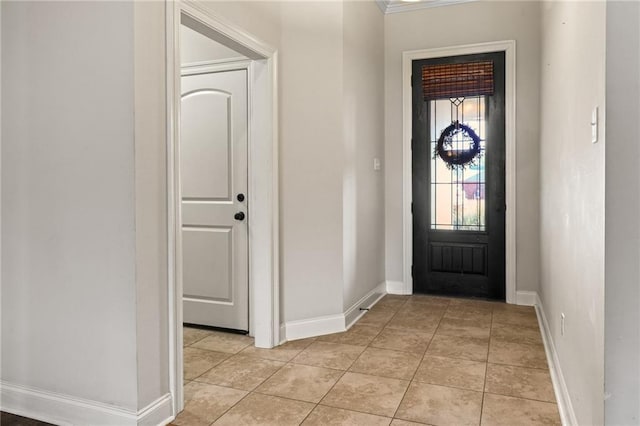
{"type": "Point", "coordinates": [562, 323]}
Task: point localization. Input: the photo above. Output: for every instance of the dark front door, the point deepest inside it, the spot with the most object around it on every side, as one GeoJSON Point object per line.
{"type": "Point", "coordinates": [458, 151]}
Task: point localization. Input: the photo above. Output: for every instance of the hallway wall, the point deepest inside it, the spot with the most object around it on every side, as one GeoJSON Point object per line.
{"type": "Point", "coordinates": [622, 210]}
{"type": "Point", "coordinates": [331, 200]}
{"type": "Point", "coordinates": [572, 203]}
{"type": "Point", "coordinates": [363, 187]}
{"type": "Point", "coordinates": [455, 25]}
{"type": "Point", "coordinates": [194, 47]}
{"type": "Point", "coordinates": [84, 308]}
{"type": "Point", "coordinates": [68, 240]}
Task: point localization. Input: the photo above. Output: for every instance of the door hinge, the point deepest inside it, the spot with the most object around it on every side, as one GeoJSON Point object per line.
{"type": "Point", "coordinates": [411, 207]}
{"type": "Point", "coordinates": [411, 271]}
{"type": "Point", "coordinates": [411, 144]}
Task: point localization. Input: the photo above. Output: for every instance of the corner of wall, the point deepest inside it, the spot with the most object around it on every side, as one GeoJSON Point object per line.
{"type": "Point", "coordinates": [151, 239]}
{"type": "Point", "coordinates": [565, 408]}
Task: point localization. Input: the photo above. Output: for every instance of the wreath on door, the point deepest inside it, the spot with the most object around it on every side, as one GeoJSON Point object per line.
{"type": "Point", "coordinates": [455, 157]}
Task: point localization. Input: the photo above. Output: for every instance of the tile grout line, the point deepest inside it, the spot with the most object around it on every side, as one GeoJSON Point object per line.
{"type": "Point", "coordinates": [395, 413]}
{"type": "Point", "coordinates": [346, 371]}
{"type": "Point", "coordinates": [367, 346]}
{"type": "Point", "coordinates": [229, 409]}
{"type": "Point", "coordinates": [248, 392]}
{"type": "Point", "coordinates": [327, 393]}
{"type": "Point", "coordinates": [486, 370]}
{"type": "Point", "coordinates": [520, 397]}
{"type": "Point", "coordinates": [231, 355]}
{"type": "Point", "coordinates": [332, 386]}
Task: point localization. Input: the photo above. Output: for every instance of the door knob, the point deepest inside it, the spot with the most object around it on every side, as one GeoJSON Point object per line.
{"type": "Point", "coordinates": [239, 216]}
{"type": "Point", "coordinates": [240, 197]}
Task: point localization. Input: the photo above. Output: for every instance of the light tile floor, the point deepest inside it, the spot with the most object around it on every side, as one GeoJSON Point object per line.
{"type": "Point", "coordinates": [410, 360]}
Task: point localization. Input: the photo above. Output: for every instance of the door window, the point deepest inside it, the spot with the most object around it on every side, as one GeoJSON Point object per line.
{"type": "Point", "coordinates": [458, 193]}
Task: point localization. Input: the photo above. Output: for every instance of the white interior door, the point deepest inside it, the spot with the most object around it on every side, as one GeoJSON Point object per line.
{"type": "Point", "coordinates": [213, 168]}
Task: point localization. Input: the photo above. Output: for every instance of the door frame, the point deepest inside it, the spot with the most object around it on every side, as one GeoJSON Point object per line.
{"type": "Point", "coordinates": [263, 183]}
{"type": "Point", "coordinates": [509, 48]}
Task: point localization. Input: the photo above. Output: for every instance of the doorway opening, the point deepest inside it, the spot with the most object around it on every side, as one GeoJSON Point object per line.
{"type": "Point", "coordinates": [508, 47]}
{"type": "Point", "coordinates": [213, 177]}
{"type": "Point", "coordinates": [222, 180]}
{"type": "Point", "coordinates": [459, 176]}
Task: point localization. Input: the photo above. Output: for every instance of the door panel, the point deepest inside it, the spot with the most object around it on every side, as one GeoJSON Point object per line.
{"type": "Point", "coordinates": [209, 163]}
{"type": "Point", "coordinates": [213, 167]}
{"type": "Point", "coordinates": [206, 253]}
{"type": "Point", "coordinates": [459, 213]}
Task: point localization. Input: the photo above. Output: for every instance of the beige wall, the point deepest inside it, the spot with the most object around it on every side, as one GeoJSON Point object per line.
{"type": "Point", "coordinates": [311, 159]}
{"type": "Point", "coordinates": [68, 229]}
{"type": "Point", "coordinates": [84, 203]}
{"type": "Point", "coordinates": [331, 201]}
{"type": "Point", "coordinates": [363, 187]}
{"type": "Point", "coordinates": [622, 210]}
{"type": "Point", "coordinates": [152, 324]}
{"type": "Point", "coordinates": [572, 196]}
{"type": "Point", "coordinates": [194, 47]}
{"type": "Point", "coordinates": [468, 23]}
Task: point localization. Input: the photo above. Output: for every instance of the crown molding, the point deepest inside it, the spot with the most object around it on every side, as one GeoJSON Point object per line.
{"type": "Point", "coordinates": [397, 6]}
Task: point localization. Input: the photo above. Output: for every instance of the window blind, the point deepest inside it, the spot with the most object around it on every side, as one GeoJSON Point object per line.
{"type": "Point", "coordinates": [443, 81]}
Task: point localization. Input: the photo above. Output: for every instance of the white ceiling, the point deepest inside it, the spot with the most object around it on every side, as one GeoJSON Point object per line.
{"type": "Point", "coordinates": [395, 6]}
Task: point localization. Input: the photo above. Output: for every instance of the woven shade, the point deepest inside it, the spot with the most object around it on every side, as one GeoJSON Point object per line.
{"type": "Point", "coordinates": [443, 81]}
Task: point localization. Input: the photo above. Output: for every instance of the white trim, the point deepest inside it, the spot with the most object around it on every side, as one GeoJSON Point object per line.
{"type": "Point", "coordinates": [219, 29]}
{"type": "Point", "coordinates": [509, 47]}
{"type": "Point", "coordinates": [216, 61]}
{"type": "Point", "coordinates": [214, 66]}
{"type": "Point", "coordinates": [313, 327]}
{"type": "Point", "coordinates": [176, 374]}
{"type": "Point", "coordinates": [354, 313]}
{"type": "Point", "coordinates": [159, 412]}
{"type": "Point", "coordinates": [388, 6]}
{"type": "Point", "coordinates": [565, 407]}
{"type": "Point", "coordinates": [397, 287]}
{"type": "Point", "coordinates": [283, 333]}
{"type": "Point", "coordinates": [526, 298]}
{"type": "Point", "coordinates": [67, 410]}
{"type": "Point", "coordinates": [263, 179]}
{"type": "Point", "coordinates": [319, 326]}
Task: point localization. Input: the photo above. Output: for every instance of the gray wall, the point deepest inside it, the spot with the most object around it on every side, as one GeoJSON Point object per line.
{"type": "Point", "coordinates": [331, 201]}
{"type": "Point", "coordinates": [84, 307]}
{"type": "Point", "coordinates": [476, 22]}
{"type": "Point", "coordinates": [622, 210]}
{"type": "Point", "coordinates": [363, 187]}
{"type": "Point", "coordinates": [194, 47]}
{"type": "Point", "coordinates": [68, 240]}
{"type": "Point", "coordinates": [572, 196]}
{"type": "Point", "coordinates": [311, 159]}
{"type": "Point", "coordinates": [150, 202]}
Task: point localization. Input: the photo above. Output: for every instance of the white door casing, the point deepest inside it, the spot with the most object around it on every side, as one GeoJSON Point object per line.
{"type": "Point", "coordinates": [263, 213]}
{"type": "Point", "coordinates": [213, 167]}
{"type": "Point", "coordinates": [509, 47]}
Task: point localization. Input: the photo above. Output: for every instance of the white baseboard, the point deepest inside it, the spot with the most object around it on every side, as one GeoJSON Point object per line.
{"type": "Point", "coordinates": [283, 333]}
{"type": "Point", "coordinates": [567, 415]}
{"type": "Point", "coordinates": [354, 313]}
{"type": "Point", "coordinates": [318, 326]}
{"type": "Point", "coordinates": [66, 410]}
{"type": "Point", "coordinates": [159, 412]}
{"type": "Point", "coordinates": [397, 287]}
{"type": "Point", "coordinates": [312, 327]}
{"type": "Point", "coordinates": [526, 298]}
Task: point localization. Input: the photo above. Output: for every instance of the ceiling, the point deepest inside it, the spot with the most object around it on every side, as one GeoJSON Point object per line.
{"type": "Point", "coordinates": [395, 6]}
